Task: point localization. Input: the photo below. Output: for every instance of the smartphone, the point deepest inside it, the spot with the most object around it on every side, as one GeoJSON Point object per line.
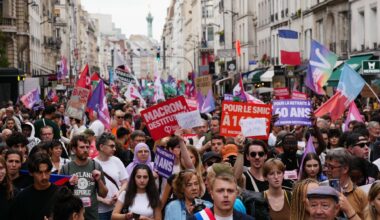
{"type": "Point", "coordinates": [136, 216]}
{"type": "Point", "coordinates": [335, 183]}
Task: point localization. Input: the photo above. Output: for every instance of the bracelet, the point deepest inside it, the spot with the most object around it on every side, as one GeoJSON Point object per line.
{"type": "Point", "coordinates": [352, 216]}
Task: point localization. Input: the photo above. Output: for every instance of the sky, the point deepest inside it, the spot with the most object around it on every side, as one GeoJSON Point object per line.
{"type": "Point", "coordinates": [130, 15]}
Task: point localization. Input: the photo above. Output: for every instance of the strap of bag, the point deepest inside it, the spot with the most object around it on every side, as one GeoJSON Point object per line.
{"type": "Point", "coordinates": [111, 179]}
{"type": "Point", "coordinates": [253, 182]}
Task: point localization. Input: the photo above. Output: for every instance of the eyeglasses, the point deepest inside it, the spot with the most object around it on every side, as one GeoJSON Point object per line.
{"type": "Point", "coordinates": [254, 154]}
{"type": "Point", "coordinates": [111, 145]}
{"type": "Point", "coordinates": [119, 117]}
{"type": "Point", "coordinates": [361, 145]}
{"type": "Point", "coordinates": [331, 167]}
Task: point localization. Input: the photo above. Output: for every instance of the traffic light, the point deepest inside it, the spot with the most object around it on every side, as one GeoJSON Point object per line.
{"type": "Point", "coordinates": [158, 56]}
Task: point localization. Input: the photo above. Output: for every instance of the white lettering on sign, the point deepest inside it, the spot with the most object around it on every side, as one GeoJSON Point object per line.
{"type": "Point", "coordinates": [164, 110]}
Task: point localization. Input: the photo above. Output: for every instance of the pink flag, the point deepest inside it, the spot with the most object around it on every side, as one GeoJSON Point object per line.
{"type": "Point", "coordinates": [30, 98]}
{"type": "Point", "coordinates": [309, 149]}
{"type": "Point", "coordinates": [98, 103]}
{"type": "Point", "coordinates": [245, 96]}
{"type": "Point", "coordinates": [133, 93]}
{"type": "Point", "coordinates": [353, 115]}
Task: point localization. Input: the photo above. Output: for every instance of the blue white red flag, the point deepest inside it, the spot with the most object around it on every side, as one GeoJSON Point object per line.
{"type": "Point", "coordinates": [30, 98]}
{"type": "Point", "coordinates": [98, 103]}
{"type": "Point", "coordinates": [309, 149]}
{"type": "Point", "coordinates": [289, 47]}
{"type": "Point", "coordinates": [205, 214]}
{"type": "Point", "coordinates": [349, 87]}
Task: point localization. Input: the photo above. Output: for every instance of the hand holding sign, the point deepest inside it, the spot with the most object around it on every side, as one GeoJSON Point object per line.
{"type": "Point", "coordinates": [254, 127]}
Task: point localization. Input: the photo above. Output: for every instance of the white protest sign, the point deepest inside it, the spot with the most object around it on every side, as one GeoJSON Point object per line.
{"type": "Point", "coordinates": [253, 127]}
{"type": "Point", "coordinates": [189, 120]}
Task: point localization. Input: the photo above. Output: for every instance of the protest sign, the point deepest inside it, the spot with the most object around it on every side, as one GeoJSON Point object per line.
{"type": "Point", "coordinates": [192, 103]}
{"type": "Point", "coordinates": [203, 84]}
{"type": "Point", "coordinates": [281, 93]}
{"type": "Point", "coordinates": [234, 112]}
{"type": "Point", "coordinates": [188, 120]}
{"type": "Point", "coordinates": [164, 162]}
{"type": "Point", "coordinates": [292, 112]}
{"type": "Point", "coordinates": [77, 103]}
{"type": "Point", "coordinates": [125, 76]}
{"type": "Point", "coordinates": [299, 95]}
{"type": "Point", "coordinates": [160, 118]}
{"type": "Point", "coordinates": [253, 127]}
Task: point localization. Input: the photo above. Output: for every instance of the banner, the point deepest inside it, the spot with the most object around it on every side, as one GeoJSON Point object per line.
{"type": "Point", "coordinates": [164, 162]}
{"type": "Point", "coordinates": [125, 77]}
{"type": "Point", "coordinates": [299, 95]}
{"type": "Point", "coordinates": [30, 98]}
{"type": "Point", "coordinates": [281, 93]}
{"type": "Point", "coordinates": [292, 112]}
{"type": "Point", "coordinates": [203, 84]}
{"type": "Point", "coordinates": [234, 112]}
{"type": "Point", "coordinates": [77, 103]}
{"type": "Point", "coordinates": [160, 118]}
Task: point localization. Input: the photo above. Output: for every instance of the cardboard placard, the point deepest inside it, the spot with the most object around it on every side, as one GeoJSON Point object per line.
{"type": "Point", "coordinates": [125, 77]}
{"type": "Point", "coordinates": [188, 120]}
{"type": "Point", "coordinates": [292, 112]}
{"type": "Point", "coordinates": [160, 119]}
{"type": "Point", "coordinates": [203, 84]}
{"type": "Point", "coordinates": [234, 112]}
{"type": "Point", "coordinates": [76, 106]}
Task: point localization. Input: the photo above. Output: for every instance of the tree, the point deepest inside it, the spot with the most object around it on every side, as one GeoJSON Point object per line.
{"type": "Point", "coordinates": [3, 51]}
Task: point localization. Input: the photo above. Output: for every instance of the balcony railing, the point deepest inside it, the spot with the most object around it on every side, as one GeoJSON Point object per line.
{"type": "Point", "coordinates": [8, 25]}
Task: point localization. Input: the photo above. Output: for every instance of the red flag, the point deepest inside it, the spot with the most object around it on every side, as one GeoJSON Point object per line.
{"type": "Point", "coordinates": [84, 80]}
{"type": "Point", "coordinates": [334, 106]}
{"type": "Point", "coordinates": [238, 50]}
{"type": "Point", "coordinates": [95, 76]}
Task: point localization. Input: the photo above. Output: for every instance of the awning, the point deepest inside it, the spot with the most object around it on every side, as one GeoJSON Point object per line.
{"type": "Point", "coordinates": [10, 72]}
{"type": "Point", "coordinates": [267, 76]}
{"type": "Point", "coordinates": [257, 75]}
{"type": "Point", "coordinates": [355, 63]}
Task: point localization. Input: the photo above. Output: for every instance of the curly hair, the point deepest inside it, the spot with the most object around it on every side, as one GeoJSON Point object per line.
{"type": "Point", "coordinates": [181, 180]}
{"type": "Point", "coordinates": [297, 205]}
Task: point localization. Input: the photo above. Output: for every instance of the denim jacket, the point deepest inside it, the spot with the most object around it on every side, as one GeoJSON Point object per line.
{"type": "Point", "coordinates": [176, 210]}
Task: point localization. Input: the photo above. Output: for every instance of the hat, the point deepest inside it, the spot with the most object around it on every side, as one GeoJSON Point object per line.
{"type": "Point", "coordinates": [323, 192]}
{"type": "Point", "coordinates": [352, 139]}
{"type": "Point", "coordinates": [229, 150]}
{"type": "Point", "coordinates": [211, 154]}
{"type": "Point", "coordinates": [280, 137]}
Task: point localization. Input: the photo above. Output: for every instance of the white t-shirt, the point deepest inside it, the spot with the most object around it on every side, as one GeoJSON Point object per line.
{"type": "Point", "coordinates": [115, 169]}
{"type": "Point", "coordinates": [224, 218]}
{"type": "Point", "coordinates": [140, 205]}
{"type": "Point", "coordinates": [97, 127]}
{"type": "Point", "coordinates": [272, 140]}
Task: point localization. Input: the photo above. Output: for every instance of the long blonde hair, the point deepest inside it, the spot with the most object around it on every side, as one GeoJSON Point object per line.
{"type": "Point", "coordinates": [297, 205]}
{"type": "Point", "coordinates": [372, 194]}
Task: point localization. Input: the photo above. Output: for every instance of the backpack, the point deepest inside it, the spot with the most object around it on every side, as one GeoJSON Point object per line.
{"type": "Point", "coordinates": [255, 204]}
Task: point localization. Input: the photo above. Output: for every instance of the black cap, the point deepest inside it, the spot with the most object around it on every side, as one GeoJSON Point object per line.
{"type": "Point", "coordinates": [209, 155]}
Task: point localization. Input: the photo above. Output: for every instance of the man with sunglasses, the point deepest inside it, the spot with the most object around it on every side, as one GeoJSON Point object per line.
{"type": "Point", "coordinates": [255, 152]}
{"type": "Point", "coordinates": [337, 166]}
{"type": "Point", "coordinates": [358, 145]}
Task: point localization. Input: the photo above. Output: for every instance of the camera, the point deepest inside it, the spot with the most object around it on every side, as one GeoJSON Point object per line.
{"type": "Point", "coordinates": [198, 205]}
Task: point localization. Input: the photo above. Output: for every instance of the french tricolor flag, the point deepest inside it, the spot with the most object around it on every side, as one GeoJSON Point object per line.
{"type": "Point", "coordinates": [205, 214]}
{"type": "Point", "coordinates": [289, 47]}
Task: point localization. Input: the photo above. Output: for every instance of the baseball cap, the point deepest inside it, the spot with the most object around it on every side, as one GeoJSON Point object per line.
{"type": "Point", "coordinates": [229, 150]}
{"type": "Point", "coordinates": [323, 192]}
{"type": "Point", "coordinates": [211, 154]}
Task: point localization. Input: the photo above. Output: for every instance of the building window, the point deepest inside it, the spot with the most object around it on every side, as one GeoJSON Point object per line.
{"type": "Point", "coordinates": [374, 28]}
{"type": "Point", "coordinates": [320, 33]}
{"type": "Point", "coordinates": [210, 33]}
{"type": "Point", "coordinates": [361, 30]}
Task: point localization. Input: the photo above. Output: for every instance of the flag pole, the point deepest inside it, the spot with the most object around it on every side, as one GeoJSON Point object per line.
{"type": "Point", "coordinates": [377, 97]}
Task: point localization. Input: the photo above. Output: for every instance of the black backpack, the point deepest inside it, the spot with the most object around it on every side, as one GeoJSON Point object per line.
{"type": "Point", "coordinates": [255, 204]}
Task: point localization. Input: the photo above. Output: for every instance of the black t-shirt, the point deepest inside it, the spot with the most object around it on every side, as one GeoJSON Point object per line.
{"type": "Point", "coordinates": [34, 204]}
{"type": "Point", "coordinates": [23, 181]}
{"type": "Point", "coordinates": [261, 185]}
{"type": "Point", "coordinates": [5, 203]}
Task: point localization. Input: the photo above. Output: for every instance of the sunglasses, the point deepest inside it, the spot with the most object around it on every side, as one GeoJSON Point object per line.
{"type": "Point", "coordinates": [361, 145]}
{"type": "Point", "coordinates": [119, 117]}
{"type": "Point", "coordinates": [209, 163]}
{"type": "Point", "coordinates": [253, 154]}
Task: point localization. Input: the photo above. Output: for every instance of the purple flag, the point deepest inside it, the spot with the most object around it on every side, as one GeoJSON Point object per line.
{"type": "Point", "coordinates": [30, 98]}
{"type": "Point", "coordinates": [98, 103]}
{"type": "Point", "coordinates": [200, 99]}
{"type": "Point", "coordinates": [309, 149]}
{"type": "Point", "coordinates": [209, 103]}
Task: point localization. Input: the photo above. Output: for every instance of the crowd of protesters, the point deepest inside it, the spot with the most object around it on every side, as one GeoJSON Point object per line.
{"type": "Point", "coordinates": [111, 172]}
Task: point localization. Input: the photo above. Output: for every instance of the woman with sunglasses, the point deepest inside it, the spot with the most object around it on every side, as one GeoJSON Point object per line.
{"type": "Point", "coordinates": [312, 168]}
{"type": "Point", "coordinates": [188, 187]}
{"type": "Point", "coordinates": [277, 198]}
{"type": "Point", "coordinates": [141, 198]}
